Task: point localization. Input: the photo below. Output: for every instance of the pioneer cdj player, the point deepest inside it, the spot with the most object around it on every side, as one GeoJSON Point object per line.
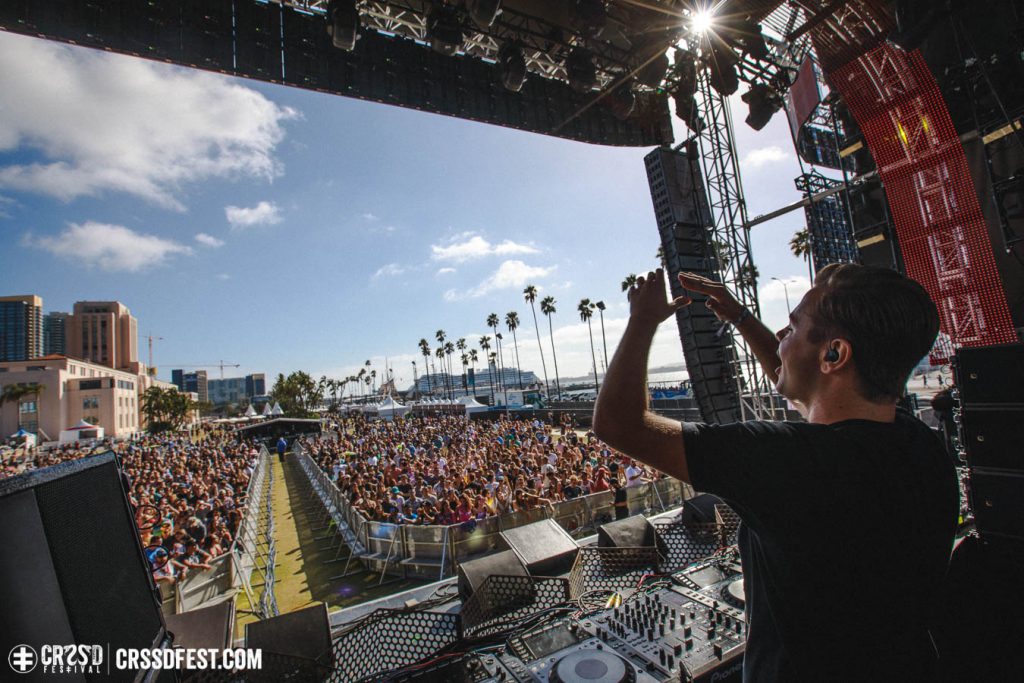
{"type": "Point", "coordinates": [687, 627]}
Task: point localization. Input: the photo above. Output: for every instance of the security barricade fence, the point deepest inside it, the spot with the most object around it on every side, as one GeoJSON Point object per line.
{"type": "Point", "coordinates": [249, 565]}
{"type": "Point", "coordinates": [434, 551]}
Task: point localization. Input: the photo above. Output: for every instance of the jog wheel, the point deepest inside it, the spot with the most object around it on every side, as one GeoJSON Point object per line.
{"type": "Point", "coordinates": [592, 666]}
{"type": "Point", "coordinates": [734, 593]}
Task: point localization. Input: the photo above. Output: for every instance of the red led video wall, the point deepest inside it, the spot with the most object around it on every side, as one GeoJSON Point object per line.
{"type": "Point", "coordinates": [938, 220]}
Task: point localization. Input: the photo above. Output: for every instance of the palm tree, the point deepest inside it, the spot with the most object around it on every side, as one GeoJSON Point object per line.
{"type": "Point", "coordinates": [439, 352]}
{"type": "Point", "coordinates": [604, 341]}
{"type": "Point", "coordinates": [425, 350]}
{"type": "Point", "coordinates": [449, 349]}
{"type": "Point", "coordinates": [629, 281]}
{"type": "Point", "coordinates": [530, 296]}
{"type": "Point", "coordinates": [800, 245]}
{"type": "Point", "coordinates": [547, 307]}
{"type": "Point", "coordinates": [492, 322]}
{"type": "Point", "coordinates": [16, 393]}
{"type": "Point", "coordinates": [485, 346]}
{"type": "Point", "coordinates": [461, 346]}
{"type": "Point", "coordinates": [440, 336]}
{"type": "Point", "coordinates": [373, 376]}
{"type": "Point", "coordinates": [473, 358]}
{"type": "Point", "coordinates": [512, 322]}
{"type": "Point", "coordinates": [586, 312]}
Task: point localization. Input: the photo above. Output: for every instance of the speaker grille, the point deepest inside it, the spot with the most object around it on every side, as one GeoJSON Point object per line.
{"type": "Point", "coordinates": [92, 541]}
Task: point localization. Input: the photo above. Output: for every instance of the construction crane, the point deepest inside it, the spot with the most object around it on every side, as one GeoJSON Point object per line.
{"type": "Point", "coordinates": [222, 364]}
{"type": "Point", "coordinates": [152, 369]}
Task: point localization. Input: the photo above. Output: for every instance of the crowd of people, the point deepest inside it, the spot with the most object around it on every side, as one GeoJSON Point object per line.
{"type": "Point", "coordinates": [450, 470]}
{"type": "Point", "coordinates": [187, 493]}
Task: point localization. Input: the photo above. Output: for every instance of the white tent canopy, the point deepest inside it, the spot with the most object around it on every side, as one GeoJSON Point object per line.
{"type": "Point", "coordinates": [81, 432]}
{"type": "Point", "coordinates": [276, 410]}
{"type": "Point", "coordinates": [250, 412]}
{"type": "Point", "coordinates": [389, 409]}
{"type": "Point", "coordinates": [472, 405]}
{"type": "Point", "coordinates": [266, 409]}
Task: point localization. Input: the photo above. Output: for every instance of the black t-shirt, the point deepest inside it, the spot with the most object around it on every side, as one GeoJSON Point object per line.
{"type": "Point", "coordinates": [847, 531]}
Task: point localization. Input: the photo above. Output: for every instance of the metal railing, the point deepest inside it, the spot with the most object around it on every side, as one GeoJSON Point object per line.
{"type": "Point", "coordinates": [253, 553]}
{"type": "Point", "coordinates": [434, 551]}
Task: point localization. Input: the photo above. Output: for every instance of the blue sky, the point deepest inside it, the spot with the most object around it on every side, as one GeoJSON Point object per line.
{"type": "Point", "coordinates": [283, 229]}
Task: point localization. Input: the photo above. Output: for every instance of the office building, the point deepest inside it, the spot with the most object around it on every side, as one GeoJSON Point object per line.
{"type": "Point", "coordinates": [72, 390]}
{"type": "Point", "coordinates": [104, 332]}
{"type": "Point", "coordinates": [236, 389]}
{"type": "Point", "coordinates": [192, 382]}
{"type": "Point", "coordinates": [21, 327]}
{"type": "Point", "coordinates": [55, 326]}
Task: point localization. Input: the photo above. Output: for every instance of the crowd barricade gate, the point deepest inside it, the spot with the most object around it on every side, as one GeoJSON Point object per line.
{"type": "Point", "coordinates": [638, 499]}
{"type": "Point", "coordinates": [427, 546]}
{"type": "Point", "coordinates": [384, 545]}
{"type": "Point", "coordinates": [572, 515]}
{"type": "Point", "coordinates": [475, 538]}
{"type": "Point", "coordinates": [600, 508]}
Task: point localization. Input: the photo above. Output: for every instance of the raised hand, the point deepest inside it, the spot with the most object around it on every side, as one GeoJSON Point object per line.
{"type": "Point", "coordinates": [720, 300]}
{"type": "Point", "coordinates": [648, 302]}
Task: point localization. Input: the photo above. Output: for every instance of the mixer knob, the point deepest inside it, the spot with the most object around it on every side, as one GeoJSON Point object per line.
{"type": "Point", "coordinates": [711, 632]}
{"type": "Point", "coordinates": [661, 657]}
{"type": "Point", "coordinates": [677, 649]}
{"type": "Point", "coordinates": [671, 663]}
{"type": "Point", "coordinates": [687, 632]}
{"type": "Point", "coordinates": [672, 624]}
{"type": "Point", "coordinates": [673, 613]}
{"type": "Point", "coordinates": [688, 643]}
{"type": "Point", "coordinates": [650, 634]}
{"type": "Point", "coordinates": [739, 627]}
{"type": "Point", "coordinates": [719, 617]}
{"type": "Point", "coordinates": [661, 629]}
{"type": "Point", "coordinates": [717, 650]}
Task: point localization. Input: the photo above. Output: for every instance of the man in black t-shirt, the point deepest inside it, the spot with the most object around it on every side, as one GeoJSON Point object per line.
{"type": "Point", "coordinates": [848, 519]}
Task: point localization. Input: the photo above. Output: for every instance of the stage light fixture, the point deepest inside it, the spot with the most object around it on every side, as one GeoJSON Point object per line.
{"type": "Point", "coordinates": [590, 16]}
{"type": "Point", "coordinates": [511, 66]}
{"type": "Point", "coordinates": [444, 28]}
{"type": "Point", "coordinates": [751, 40]}
{"type": "Point", "coordinates": [343, 25]}
{"type": "Point", "coordinates": [483, 12]}
{"type": "Point", "coordinates": [722, 67]}
{"type": "Point", "coordinates": [622, 101]}
{"type": "Point", "coordinates": [763, 101]}
{"type": "Point", "coordinates": [580, 70]}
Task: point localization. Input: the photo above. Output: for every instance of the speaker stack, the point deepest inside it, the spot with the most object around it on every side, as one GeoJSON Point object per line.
{"type": "Point", "coordinates": [990, 386]}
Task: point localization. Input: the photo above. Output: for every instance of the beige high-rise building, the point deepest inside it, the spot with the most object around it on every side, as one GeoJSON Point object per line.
{"type": "Point", "coordinates": [104, 332]}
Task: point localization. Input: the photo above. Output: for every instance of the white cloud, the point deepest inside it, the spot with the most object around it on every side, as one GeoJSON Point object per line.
{"type": "Point", "coordinates": [208, 240]}
{"type": "Point", "coordinates": [389, 270]}
{"type": "Point", "coordinates": [109, 247]}
{"type": "Point", "coordinates": [513, 273]}
{"type": "Point", "coordinates": [368, 216]}
{"type": "Point", "coordinates": [5, 204]}
{"type": "Point", "coordinates": [764, 156]}
{"type": "Point", "coordinates": [121, 124]}
{"type": "Point", "coordinates": [264, 213]}
{"type": "Point", "coordinates": [223, 276]}
{"type": "Point", "coordinates": [445, 271]}
{"type": "Point", "coordinates": [469, 246]}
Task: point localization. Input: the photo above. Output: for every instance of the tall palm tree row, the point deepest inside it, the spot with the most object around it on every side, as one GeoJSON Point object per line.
{"type": "Point", "coordinates": [512, 322]}
{"type": "Point", "coordinates": [425, 350]}
{"type": "Point", "coordinates": [441, 337]}
{"type": "Point", "coordinates": [586, 312]}
{"type": "Point", "coordinates": [492, 322]}
{"type": "Point", "coordinates": [485, 346]}
{"type": "Point", "coordinates": [547, 307]}
{"type": "Point", "coordinates": [530, 296]}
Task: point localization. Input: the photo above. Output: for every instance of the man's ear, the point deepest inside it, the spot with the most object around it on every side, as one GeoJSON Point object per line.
{"type": "Point", "coordinates": [836, 356]}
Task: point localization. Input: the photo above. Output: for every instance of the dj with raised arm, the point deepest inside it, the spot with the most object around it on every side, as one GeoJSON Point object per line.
{"type": "Point", "coordinates": [848, 519]}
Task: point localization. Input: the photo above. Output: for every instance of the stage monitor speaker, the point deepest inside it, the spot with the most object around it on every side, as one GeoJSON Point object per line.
{"type": "Point", "coordinates": [304, 634]}
{"type": "Point", "coordinates": [472, 574]}
{"type": "Point", "coordinates": [990, 375]}
{"type": "Point", "coordinates": [997, 499]}
{"type": "Point", "coordinates": [632, 532]}
{"type": "Point", "coordinates": [210, 627]}
{"type": "Point", "coordinates": [545, 548]}
{"type": "Point", "coordinates": [992, 437]}
{"type": "Point", "coordinates": [700, 509]}
{"type": "Point", "coordinates": [72, 570]}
